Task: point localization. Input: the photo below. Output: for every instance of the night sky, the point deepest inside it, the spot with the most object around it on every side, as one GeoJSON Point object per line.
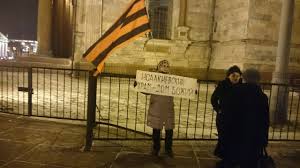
{"type": "Point", "coordinates": [18, 18]}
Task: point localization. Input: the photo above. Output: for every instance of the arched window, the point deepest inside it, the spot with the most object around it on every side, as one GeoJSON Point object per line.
{"type": "Point", "coordinates": [159, 13]}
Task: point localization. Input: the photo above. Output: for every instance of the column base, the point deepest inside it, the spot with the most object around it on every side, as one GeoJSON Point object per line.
{"type": "Point", "coordinates": [279, 99]}
{"type": "Point", "coordinates": [280, 78]}
{"type": "Point", "coordinates": [45, 54]}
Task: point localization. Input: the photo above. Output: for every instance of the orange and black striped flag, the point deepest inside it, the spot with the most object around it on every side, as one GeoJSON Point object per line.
{"type": "Point", "coordinates": [133, 23]}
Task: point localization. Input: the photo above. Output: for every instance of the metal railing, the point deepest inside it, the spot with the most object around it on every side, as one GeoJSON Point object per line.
{"type": "Point", "coordinates": [123, 109]}
{"type": "Point", "coordinates": [118, 111]}
{"type": "Point", "coordinates": [122, 112]}
{"type": "Point", "coordinates": [44, 92]}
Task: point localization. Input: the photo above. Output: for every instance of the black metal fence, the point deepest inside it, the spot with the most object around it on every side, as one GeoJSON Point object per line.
{"type": "Point", "coordinates": [44, 92]}
{"type": "Point", "coordinates": [120, 111]}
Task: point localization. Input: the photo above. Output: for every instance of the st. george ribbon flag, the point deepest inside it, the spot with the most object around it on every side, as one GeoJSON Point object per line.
{"type": "Point", "coordinates": [133, 23]}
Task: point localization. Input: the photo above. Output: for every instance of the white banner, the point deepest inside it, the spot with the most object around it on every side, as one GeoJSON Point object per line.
{"type": "Point", "coordinates": [165, 84]}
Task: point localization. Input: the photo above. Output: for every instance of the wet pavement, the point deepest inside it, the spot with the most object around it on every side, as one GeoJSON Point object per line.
{"type": "Point", "coordinates": [27, 142]}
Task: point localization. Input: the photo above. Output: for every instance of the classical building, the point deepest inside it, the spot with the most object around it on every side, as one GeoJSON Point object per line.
{"type": "Point", "coordinates": [3, 46]}
{"type": "Point", "coordinates": [196, 36]}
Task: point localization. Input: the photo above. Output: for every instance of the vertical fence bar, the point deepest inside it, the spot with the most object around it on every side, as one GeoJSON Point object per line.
{"type": "Point", "coordinates": [71, 90]}
{"type": "Point", "coordinates": [63, 101]}
{"type": "Point", "coordinates": [118, 115]}
{"type": "Point", "coordinates": [295, 127]}
{"type": "Point", "coordinates": [44, 89]}
{"type": "Point", "coordinates": [50, 95]}
{"type": "Point", "coordinates": [57, 94]}
{"type": "Point", "coordinates": [99, 116]}
{"type": "Point", "coordinates": [187, 120]}
{"type": "Point", "coordinates": [29, 91]}
{"type": "Point", "coordinates": [18, 82]}
{"type": "Point", "coordinates": [78, 86]}
{"type": "Point", "coordinates": [12, 88]}
{"type": "Point", "coordinates": [145, 113]}
{"type": "Point", "coordinates": [197, 107]}
{"type": "Point", "coordinates": [84, 95]}
{"type": "Point", "coordinates": [136, 113]}
{"type": "Point", "coordinates": [127, 107]}
{"type": "Point", "coordinates": [178, 129]}
{"type": "Point", "coordinates": [109, 108]}
{"type": "Point", "coordinates": [290, 114]}
{"type": "Point", "coordinates": [91, 111]}
{"type": "Point", "coordinates": [7, 105]}
{"type": "Point", "coordinates": [204, 114]}
{"type": "Point", "coordinates": [37, 91]}
{"type": "Point", "coordinates": [212, 121]}
{"type": "Point", "coordinates": [2, 95]}
{"type": "Point", "coordinates": [274, 127]}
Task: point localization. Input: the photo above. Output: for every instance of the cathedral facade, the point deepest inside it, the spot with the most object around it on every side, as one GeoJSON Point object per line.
{"type": "Point", "coordinates": [198, 37]}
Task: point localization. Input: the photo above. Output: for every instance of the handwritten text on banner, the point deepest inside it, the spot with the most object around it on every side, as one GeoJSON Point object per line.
{"type": "Point", "coordinates": [167, 85]}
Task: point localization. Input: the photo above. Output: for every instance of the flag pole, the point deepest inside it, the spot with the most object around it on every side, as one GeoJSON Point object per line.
{"type": "Point", "coordinates": [91, 111]}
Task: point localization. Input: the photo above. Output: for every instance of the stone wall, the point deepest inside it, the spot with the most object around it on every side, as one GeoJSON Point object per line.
{"type": "Point", "coordinates": [263, 28]}
{"type": "Point", "coordinates": [296, 24]}
{"type": "Point", "coordinates": [244, 32]}
{"type": "Point", "coordinates": [94, 17]}
{"type": "Point", "coordinates": [230, 29]}
{"type": "Point", "coordinates": [199, 19]}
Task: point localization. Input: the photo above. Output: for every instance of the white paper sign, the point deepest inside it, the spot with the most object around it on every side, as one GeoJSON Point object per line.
{"type": "Point", "coordinates": [165, 84]}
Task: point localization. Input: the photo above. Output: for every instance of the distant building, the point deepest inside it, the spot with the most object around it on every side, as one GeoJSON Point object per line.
{"type": "Point", "coordinates": [3, 46]}
{"type": "Point", "coordinates": [22, 47]}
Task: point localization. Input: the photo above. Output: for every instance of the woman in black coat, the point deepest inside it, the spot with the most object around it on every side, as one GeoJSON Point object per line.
{"type": "Point", "coordinates": [246, 122]}
{"type": "Point", "coordinates": [219, 100]}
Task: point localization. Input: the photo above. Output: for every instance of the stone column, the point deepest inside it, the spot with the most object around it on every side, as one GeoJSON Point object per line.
{"type": "Point", "coordinates": [1, 43]}
{"type": "Point", "coordinates": [5, 48]}
{"type": "Point", "coordinates": [182, 28]}
{"type": "Point", "coordinates": [79, 32]}
{"type": "Point", "coordinates": [279, 94]}
{"type": "Point", "coordinates": [2, 48]}
{"type": "Point", "coordinates": [44, 27]}
{"type": "Point", "coordinates": [182, 14]}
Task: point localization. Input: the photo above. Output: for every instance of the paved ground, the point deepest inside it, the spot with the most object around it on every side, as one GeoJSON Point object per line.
{"type": "Point", "coordinates": [34, 143]}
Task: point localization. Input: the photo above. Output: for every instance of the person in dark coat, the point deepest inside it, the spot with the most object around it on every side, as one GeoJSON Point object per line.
{"type": "Point", "coordinates": [246, 122]}
{"type": "Point", "coordinates": [218, 101]}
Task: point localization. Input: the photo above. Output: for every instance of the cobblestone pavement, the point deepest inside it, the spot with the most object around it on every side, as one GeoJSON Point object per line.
{"type": "Point", "coordinates": [27, 142]}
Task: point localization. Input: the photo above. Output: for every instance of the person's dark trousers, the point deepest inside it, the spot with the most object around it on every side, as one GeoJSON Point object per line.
{"type": "Point", "coordinates": [156, 141]}
{"type": "Point", "coordinates": [249, 164]}
{"type": "Point", "coordinates": [252, 154]}
{"type": "Point", "coordinates": [226, 164]}
{"type": "Point", "coordinates": [219, 150]}
{"type": "Point", "coordinates": [169, 143]}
